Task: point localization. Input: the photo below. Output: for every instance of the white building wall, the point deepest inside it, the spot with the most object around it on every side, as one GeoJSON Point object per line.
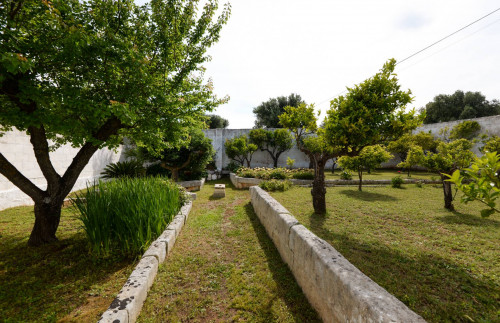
{"type": "Point", "coordinates": [16, 147]}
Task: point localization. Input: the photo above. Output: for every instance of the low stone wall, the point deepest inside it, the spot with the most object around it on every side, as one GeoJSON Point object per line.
{"type": "Point", "coordinates": [335, 288]}
{"type": "Point", "coordinates": [243, 182]}
{"type": "Point", "coordinates": [191, 186]}
{"type": "Point", "coordinates": [126, 307]}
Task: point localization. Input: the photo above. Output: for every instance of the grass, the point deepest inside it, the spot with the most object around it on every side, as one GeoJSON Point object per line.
{"type": "Point", "coordinates": [58, 282]}
{"type": "Point", "coordinates": [443, 265]}
{"type": "Point", "coordinates": [384, 174]}
{"type": "Point", "coordinates": [224, 267]}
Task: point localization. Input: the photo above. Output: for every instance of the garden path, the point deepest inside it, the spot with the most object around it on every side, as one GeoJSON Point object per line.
{"type": "Point", "coordinates": [224, 267]}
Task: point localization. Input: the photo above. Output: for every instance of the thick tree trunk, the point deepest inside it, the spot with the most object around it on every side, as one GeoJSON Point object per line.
{"type": "Point", "coordinates": [47, 217]}
{"type": "Point", "coordinates": [360, 175]}
{"type": "Point", "coordinates": [318, 190]}
{"type": "Point", "coordinates": [275, 161]}
{"type": "Point", "coordinates": [448, 194]}
{"type": "Point", "coordinates": [175, 174]}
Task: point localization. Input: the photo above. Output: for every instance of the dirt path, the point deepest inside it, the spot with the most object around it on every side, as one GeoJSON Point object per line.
{"type": "Point", "coordinates": [225, 268]}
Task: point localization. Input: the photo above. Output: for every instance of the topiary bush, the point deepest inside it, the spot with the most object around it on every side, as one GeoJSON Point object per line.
{"type": "Point", "coordinates": [397, 181]}
{"type": "Point", "coordinates": [275, 185]}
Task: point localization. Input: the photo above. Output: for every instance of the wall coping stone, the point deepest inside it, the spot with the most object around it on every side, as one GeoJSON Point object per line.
{"type": "Point", "coordinates": [335, 288]}
{"type": "Point", "coordinates": [127, 305]}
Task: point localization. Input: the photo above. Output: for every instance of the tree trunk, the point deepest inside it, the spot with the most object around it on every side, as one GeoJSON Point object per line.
{"type": "Point", "coordinates": [275, 160]}
{"type": "Point", "coordinates": [409, 171]}
{"type": "Point", "coordinates": [448, 194]}
{"type": "Point", "coordinates": [47, 217]}
{"type": "Point", "coordinates": [360, 175]}
{"type": "Point", "coordinates": [318, 190]}
{"type": "Point", "coordinates": [175, 174]}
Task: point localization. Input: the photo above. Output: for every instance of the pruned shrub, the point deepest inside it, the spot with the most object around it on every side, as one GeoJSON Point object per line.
{"type": "Point", "coordinates": [278, 173]}
{"type": "Point", "coordinates": [345, 175]}
{"type": "Point", "coordinates": [126, 215]}
{"type": "Point", "coordinates": [275, 185]}
{"type": "Point", "coordinates": [397, 181]}
{"type": "Point", "coordinates": [303, 174]}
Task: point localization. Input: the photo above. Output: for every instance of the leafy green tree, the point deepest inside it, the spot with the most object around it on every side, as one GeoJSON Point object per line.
{"type": "Point", "coordinates": [483, 184]}
{"type": "Point", "coordinates": [370, 113]}
{"type": "Point", "coordinates": [302, 121]}
{"type": "Point", "coordinates": [215, 121]}
{"type": "Point", "coordinates": [403, 144]}
{"type": "Point", "coordinates": [267, 113]}
{"type": "Point", "coordinates": [369, 157]}
{"type": "Point", "coordinates": [192, 157]}
{"type": "Point", "coordinates": [88, 73]}
{"type": "Point", "coordinates": [449, 157]}
{"type": "Point", "coordinates": [466, 130]}
{"type": "Point", "coordinates": [240, 149]}
{"type": "Point", "coordinates": [413, 158]}
{"type": "Point", "coordinates": [275, 142]}
{"type": "Point", "coordinates": [460, 105]}
{"type": "Point", "coordinates": [492, 144]}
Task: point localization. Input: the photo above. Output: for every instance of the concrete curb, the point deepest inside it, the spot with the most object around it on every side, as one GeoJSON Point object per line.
{"type": "Point", "coordinates": [335, 288]}
{"type": "Point", "coordinates": [127, 305]}
{"type": "Point", "coordinates": [243, 182]}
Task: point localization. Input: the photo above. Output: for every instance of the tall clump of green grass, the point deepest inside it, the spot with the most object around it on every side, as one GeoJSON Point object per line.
{"type": "Point", "coordinates": [126, 215]}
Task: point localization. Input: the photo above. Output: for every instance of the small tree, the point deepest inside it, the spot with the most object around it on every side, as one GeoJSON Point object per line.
{"type": "Point", "coordinates": [449, 157]}
{"type": "Point", "coordinates": [215, 121]}
{"type": "Point", "coordinates": [274, 142]}
{"type": "Point", "coordinates": [403, 144]}
{"type": "Point", "coordinates": [484, 186]}
{"type": "Point", "coordinates": [466, 130]}
{"type": "Point", "coordinates": [240, 149]}
{"type": "Point", "coordinates": [267, 113]}
{"type": "Point", "coordinates": [370, 157]}
{"type": "Point", "coordinates": [492, 144]}
{"type": "Point", "coordinates": [413, 158]}
{"type": "Point", "coordinates": [302, 121]}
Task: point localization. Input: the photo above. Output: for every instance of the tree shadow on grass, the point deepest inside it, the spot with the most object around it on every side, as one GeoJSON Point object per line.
{"type": "Point", "coordinates": [469, 219]}
{"type": "Point", "coordinates": [46, 283]}
{"type": "Point", "coordinates": [288, 289]}
{"type": "Point", "coordinates": [367, 196]}
{"type": "Point", "coordinates": [434, 287]}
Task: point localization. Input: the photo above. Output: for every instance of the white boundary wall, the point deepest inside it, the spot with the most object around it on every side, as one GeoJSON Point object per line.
{"type": "Point", "coordinates": [16, 147]}
{"type": "Point", "coordinates": [489, 125]}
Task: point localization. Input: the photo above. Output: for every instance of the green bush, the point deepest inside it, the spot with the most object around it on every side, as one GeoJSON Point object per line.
{"type": "Point", "coordinates": [157, 170]}
{"type": "Point", "coordinates": [419, 184]}
{"type": "Point", "coordinates": [303, 174]}
{"type": "Point", "coordinates": [275, 185]}
{"type": "Point", "coordinates": [233, 166]}
{"type": "Point", "coordinates": [397, 181]}
{"type": "Point", "coordinates": [345, 175]}
{"type": "Point", "coordinates": [278, 173]}
{"type": "Point", "coordinates": [126, 215]}
{"type": "Point", "coordinates": [128, 168]}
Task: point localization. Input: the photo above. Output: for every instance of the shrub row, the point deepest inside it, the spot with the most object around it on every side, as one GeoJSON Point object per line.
{"type": "Point", "coordinates": [275, 173]}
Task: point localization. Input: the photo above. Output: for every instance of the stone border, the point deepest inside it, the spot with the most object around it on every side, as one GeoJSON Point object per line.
{"type": "Point", "coordinates": [127, 305]}
{"type": "Point", "coordinates": [335, 288]}
{"type": "Point", "coordinates": [190, 186]}
{"type": "Point", "coordinates": [243, 182]}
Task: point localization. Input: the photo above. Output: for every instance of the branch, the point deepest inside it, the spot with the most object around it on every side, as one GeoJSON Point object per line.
{"type": "Point", "coordinates": [108, 129]}
{"type": "Point", "coordinates": [38, 139]}
{"type": "Point", "coordinates": [12, 174]}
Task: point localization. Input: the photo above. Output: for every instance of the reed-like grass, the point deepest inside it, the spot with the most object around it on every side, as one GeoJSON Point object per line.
{"type": "Point", "coordinates": [126, 215]}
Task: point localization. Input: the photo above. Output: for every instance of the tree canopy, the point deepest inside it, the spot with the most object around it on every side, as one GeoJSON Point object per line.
{"type": "Point", "coordinates": [267, 112]}
{"type": "Point", "coordinates": [88, 73]}
{"type": "Point", "coordinates": [459, 106]}
{"type": "Point", "coordinates": [216, 121]}
{"type": "Point", "coordinates": [240, 149]}
{"type": "Point", "coordinates": [275, 142]}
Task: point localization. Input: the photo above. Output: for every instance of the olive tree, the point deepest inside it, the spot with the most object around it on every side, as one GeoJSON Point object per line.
{"type": "Point", "coordinates": [88, 73]}
{"type": "Point", "coordinates": [275, 142]}
{"type": "Point", "coordinates": [240, 149]}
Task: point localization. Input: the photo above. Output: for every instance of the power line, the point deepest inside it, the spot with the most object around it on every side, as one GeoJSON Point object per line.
{"type": "Point", "coordinates": [425, 48]}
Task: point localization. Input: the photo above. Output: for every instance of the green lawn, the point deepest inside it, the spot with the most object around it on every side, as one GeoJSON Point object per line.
{"type": "Point", "coordinates": [59, 282]}
{"type": "Point", "coordinates": [443, 265]}
{"type": "Point", "coordinates": [225, 268]}
{"type": "Point", "coordinates": [384, 174]}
